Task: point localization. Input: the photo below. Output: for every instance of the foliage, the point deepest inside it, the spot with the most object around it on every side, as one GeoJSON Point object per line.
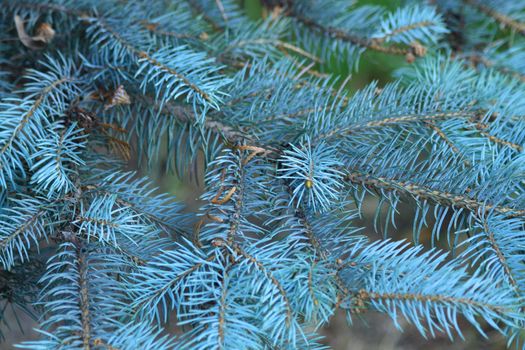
{"type": "Point", "coordinates": [289, 156]}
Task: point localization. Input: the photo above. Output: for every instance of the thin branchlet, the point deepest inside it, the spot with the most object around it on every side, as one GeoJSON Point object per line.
{"type": "Point", "coordinates": [482, 129]}
{"type": "Point", "coordinates": [30, 114]}
{"type": "Point", "coordinates": [238, 250]}
{"type": "Point", "coordinates": [336, 33]}
{"type": "Point", "coordinates": [501, 257]}
{"type": "Point", "coordinates": [448, 141]}
{"type": "Point", "coordinates": [431, 298]}
{"type": "Point", "coordinates": [399, 120]}
{"type": "Point", "coordinates": [84, 303]}
{"type": "Point", "coordinates": [222, 308]}
{"type": "Point", "coordinates": [426, 193]}
{"type": "Point", "coordinates": [500, 17]}
{"type": "Point", "coordinates": [140, 54]}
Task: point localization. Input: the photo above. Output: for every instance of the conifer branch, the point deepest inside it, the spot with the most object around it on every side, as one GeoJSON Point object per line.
{"type": "Point", "coordinates": [430, 194]}
{"type": "Point", "coordinates": [166, 227]}
{"type": "Point", "coordinates": [200, 11]}
{"type": "Point", "coordinates": [143, 55]}
{"type": "Point", "coordinates": [311, 288]}
{"type": "Point", "coordinates": [320, 252]}
{"type": "Point", "coordinates": [30, 114]}
{"type": "Point", "coordinates": [480, 59]}
{"type": "Point", "coordinates": [308, 229]}
{"type": "Point", "coordinates": [482, 130]}
{"type": "Point", "coordinates": [236, 216]}
{"type": "Point", "coordinates": [404, 29]}
{"type": "Point", "coordinates": [130, 256]}
{"type": "Point", "coordinates": [50, 7]}
{"type": "Point", "coordinates": [84, 304]}
{"type": "Point", "coordinates": [274, 42]}
{"type": "Point", "coordinates": [503, 19]}
{"type": "Point", "coordinates": [153, 28]}
{"type": "Point", "coordinates": [501, 257]}
{"type": "Point", "coordinates": [284, 146]}
{"type": "Point", "coordinates": [222, 308]}
{"type": "Point", "coordinates": [367, 295]}
{"type": "Point", "coordinates": [101, 342]}
{"type": "Point", "coordinates": [183, 114]}
{"type": "Point", "coordinates": [99, 222]}
{"type": "Point", "coordinates": [336, 33]}
{"type": "Point", "coordinates": [6, 241]}
{"type": "Point", "coordinates": [220, 6]}
{"type": "Point", "coordinates": [173, 282]}
{"type": "Point", "coordinates": [260, 266]}
{"type": "Point", "coordinates": [449, 142]}
{"type": "Point", "coordinates": [397, 120]}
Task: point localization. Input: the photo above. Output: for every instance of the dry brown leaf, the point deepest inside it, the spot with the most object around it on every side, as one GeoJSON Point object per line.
{"type": "Point", "coordinates": [44, 35]}
{"type": "Point", "coordinates": [117, 97]}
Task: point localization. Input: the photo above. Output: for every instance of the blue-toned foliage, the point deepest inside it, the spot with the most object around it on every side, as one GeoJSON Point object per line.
{"type": "Point", "coordinates": [55, 156]}
{"type": "Point", "coordinates": [313, 174]}
{"type": "Point", "coordinates": [411, 24]}
{"type": "Point", "coordinates": [287, 158]}
{"type": "Point", "coordinates": [435, 294]}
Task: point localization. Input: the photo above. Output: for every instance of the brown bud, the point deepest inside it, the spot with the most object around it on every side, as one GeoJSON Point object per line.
{"type": "Point", "coordinates": [418, 49]}
{"type": "Point", "coordinates": [276, 12]}
{"type": "Point", "coordinates": [410, 58]}
{"type": "Point", "coordinates": [46, 32]}
{"type": "Point", "coordinates": [151, 26]}
{"type": "Point", "coordinates": [217, 243]}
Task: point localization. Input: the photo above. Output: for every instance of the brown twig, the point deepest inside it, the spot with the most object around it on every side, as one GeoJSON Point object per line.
{"type": "Point", "coordinates": [260, 266]}
{"type": "Point", "coordinates": [504, 20]}
{"type": "Point", "coordinates": [85, 313]}
{"type": "Point", "coordinates": [337, 33]}
{"type": "Point", "coordinates": [434, 298]}
{"type": "Point", "coordinates": [433, 195]}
